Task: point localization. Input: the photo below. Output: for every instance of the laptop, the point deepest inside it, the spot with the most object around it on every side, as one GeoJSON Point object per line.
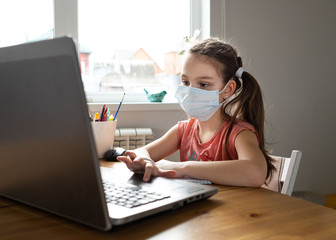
{"type": "Point", "coordinates": [48, 156]}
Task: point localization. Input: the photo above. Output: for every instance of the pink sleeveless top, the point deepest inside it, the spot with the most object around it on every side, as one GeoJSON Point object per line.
{"type": "Point", "coordinates": [191, 149]}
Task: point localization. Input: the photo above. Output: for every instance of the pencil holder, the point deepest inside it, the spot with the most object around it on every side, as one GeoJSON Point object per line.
{"type": "Point", "coordinates": [103, 133]}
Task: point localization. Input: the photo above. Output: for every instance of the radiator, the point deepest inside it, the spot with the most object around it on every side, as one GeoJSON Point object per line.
{"type": "Point", "coordinates": [132, 138]}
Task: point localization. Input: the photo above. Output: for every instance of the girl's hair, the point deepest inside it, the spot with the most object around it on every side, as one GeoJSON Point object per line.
{"type": "Point", "coordinates": [248, 101]}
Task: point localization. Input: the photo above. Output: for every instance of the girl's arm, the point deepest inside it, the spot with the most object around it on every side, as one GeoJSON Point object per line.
{"type": "Point", "coordinates": [249, 170]}
{"type": "Point", "coordinates": [162, 147]}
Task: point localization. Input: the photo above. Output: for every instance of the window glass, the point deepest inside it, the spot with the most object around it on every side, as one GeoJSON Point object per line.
{"type": "Point", "coordinates": [22, 21]}
{"type": "Point", "coordinates": [132, 45]}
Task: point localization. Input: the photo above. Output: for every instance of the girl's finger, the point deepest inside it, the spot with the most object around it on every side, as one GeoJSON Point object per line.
{"type": "Point", "coordinates": [131, 154]}
{"type": "Point", "coordinates": [124, 159]}
{"type": "Point", "coordinates": [130, 164]}
{"type": "Point", "coordinates": [149, 167]}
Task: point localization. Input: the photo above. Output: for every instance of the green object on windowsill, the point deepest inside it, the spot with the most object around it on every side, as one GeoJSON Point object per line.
{"type": "Point", "coordinates": [155, 97]}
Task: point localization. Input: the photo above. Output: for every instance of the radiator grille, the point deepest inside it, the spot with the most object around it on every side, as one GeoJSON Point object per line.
{"type": "Point", "coordinates": [132, 138]}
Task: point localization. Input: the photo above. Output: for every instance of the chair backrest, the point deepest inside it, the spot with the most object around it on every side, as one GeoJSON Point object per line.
{"type": "Point", "coordinates": [283, 178]}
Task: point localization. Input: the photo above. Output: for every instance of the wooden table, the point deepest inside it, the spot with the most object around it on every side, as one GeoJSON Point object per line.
{"type": "Point", "coordinates": [233, 213]}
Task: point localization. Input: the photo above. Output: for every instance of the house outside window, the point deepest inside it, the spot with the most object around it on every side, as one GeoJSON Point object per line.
{"type": "Point", "coordinates": [132, 45]}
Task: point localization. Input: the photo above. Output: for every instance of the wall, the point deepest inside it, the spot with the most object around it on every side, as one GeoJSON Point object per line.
{"type": "Point", "coordinates": [289, 46]}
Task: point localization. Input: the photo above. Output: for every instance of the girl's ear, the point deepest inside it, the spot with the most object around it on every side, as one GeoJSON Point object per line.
{"type": "Point", "coordinates": [230, 89]}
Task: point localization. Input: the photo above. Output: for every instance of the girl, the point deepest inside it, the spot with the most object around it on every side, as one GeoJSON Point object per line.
{"type": "Point", "coordinates": [223, 141]}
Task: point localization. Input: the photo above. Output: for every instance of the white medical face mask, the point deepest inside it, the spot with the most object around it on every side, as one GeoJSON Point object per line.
{"type": "Point", "coordinates": [199, 103]}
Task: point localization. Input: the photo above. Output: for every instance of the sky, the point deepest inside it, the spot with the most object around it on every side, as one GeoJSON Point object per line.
{"type": "Point", "coordinates": [103, 24]}
{"type": "Point", "coordinates": [158, 26]}
{"type": "Point", "coordinates": [21, 20]}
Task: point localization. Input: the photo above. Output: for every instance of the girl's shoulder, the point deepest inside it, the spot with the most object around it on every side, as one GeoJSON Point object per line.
{"type": "Point", "coordinates": [241, 125]}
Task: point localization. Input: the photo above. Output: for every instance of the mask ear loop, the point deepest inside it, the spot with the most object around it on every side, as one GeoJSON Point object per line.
{"type": "Point", "coordinates": [225, 97]}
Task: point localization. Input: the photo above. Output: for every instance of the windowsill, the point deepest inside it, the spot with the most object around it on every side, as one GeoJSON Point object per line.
{"type": "Point", "coordinates": [137, 106]}
{"type": "Point", "coordinates": [131, 102]}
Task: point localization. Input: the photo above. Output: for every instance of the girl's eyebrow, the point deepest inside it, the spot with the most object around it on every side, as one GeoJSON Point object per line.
{"type": "Point", "coordinates": [200, 77]}
{"type": "Point", "coordinates": [204, 78]}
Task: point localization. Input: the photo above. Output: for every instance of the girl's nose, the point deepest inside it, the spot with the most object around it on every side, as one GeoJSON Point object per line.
{"type": "Point", "coordinates": [194, 85]}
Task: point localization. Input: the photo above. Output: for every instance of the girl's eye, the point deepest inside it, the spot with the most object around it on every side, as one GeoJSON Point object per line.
{"type": "Point", "coordinates": [204, 85]}
{"type": "Point", "coordinates": [185, 82]}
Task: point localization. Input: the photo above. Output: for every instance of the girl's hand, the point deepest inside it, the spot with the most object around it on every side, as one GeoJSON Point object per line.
{"type": "Point", "coordinates": [141, 165]}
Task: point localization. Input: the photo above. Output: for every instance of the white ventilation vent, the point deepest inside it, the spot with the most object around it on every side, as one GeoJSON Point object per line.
{"type": "Point", "coordinates": [132, 138]}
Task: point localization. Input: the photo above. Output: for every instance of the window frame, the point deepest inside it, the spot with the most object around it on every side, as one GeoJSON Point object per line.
{"type": "Point", "coordinates": [66, 24]}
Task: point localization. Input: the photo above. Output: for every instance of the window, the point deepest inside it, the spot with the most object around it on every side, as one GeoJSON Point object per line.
{"type": "Point", "coordinates": [21, 21]}
{"type": "Point", "coordinates": [132, 45]}
{"type": "Point", "coordinates": [124, 45]}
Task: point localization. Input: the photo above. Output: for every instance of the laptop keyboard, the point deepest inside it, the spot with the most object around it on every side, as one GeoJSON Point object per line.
{"type": "Point", "coordinates": [130, 196]}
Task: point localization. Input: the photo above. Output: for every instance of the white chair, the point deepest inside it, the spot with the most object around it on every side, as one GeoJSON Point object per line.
{"type": "Point", "coordinates": [283, 178]}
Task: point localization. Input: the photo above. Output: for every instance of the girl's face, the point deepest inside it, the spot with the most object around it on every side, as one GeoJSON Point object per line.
{"type": "Point", "coordinates": [199, 72]}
